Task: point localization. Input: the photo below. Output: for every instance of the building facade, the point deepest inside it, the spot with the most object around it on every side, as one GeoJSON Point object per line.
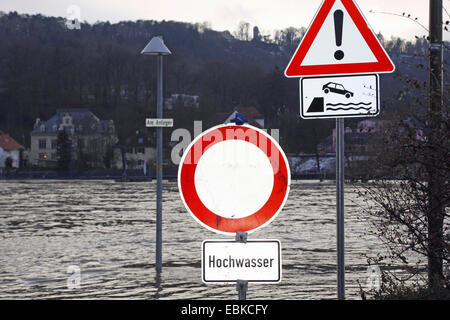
{"type": "Point", "coordinates": [10, 152]}
{"type": "Point", "coordinates": [92, 139]}
{"type": "Point", "coordinates": [140, 151]}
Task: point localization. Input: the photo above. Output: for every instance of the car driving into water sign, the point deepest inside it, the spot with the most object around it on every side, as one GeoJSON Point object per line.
{"type": "Point", "coordinates": [337, 88]}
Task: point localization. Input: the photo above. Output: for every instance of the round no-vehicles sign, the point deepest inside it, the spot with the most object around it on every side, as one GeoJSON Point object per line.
{"type": "Point", "coordinates": [234, 178]}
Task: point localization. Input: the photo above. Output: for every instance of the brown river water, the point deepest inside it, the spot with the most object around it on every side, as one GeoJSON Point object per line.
{"type": "Point", "coordinates": [107, 230]}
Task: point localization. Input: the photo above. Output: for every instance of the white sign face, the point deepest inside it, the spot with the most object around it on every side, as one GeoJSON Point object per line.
{"type": "Point", "coordinates": [225, 179]}
{"type": "Point", "coordinates": [228, 261]}
{"type": "Point", "coordinates": [159, 122]}
{"type": "Point", "coordinates": [339, 97]}
{"type": "Point", "coordinates": [351, 41]}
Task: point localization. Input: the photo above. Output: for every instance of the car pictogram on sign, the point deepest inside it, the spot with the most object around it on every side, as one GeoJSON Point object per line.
{"type": "Point", "coordinates": [337, 88]}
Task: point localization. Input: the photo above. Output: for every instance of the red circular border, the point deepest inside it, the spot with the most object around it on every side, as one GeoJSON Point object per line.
{"type": "Point", "coordinates": [209, 218]}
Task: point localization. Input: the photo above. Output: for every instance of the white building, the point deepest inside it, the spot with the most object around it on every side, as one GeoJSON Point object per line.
{"type": "Point", "coordinates": [10, 151]}
{"type": "Point", "coordinates": [91, 138]}
{"type": "Point", "coordinates": [140, 151]}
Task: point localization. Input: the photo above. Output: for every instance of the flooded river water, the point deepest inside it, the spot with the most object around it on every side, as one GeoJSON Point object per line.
{"type": "Point", "coordinates": [107, 230]}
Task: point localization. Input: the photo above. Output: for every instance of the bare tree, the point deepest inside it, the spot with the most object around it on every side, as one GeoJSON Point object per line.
{"type": "Point", "coordinates": [409, 209]}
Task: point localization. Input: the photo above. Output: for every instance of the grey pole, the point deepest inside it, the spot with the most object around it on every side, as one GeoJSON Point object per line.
{"type": "Point", "coordinates": [340, 207]}
{"type": "Point", "coordinates": [159, 164]}
{"type": "Point", "coordinates": [241, 285]}
{"type": "Point", "coordinates": [156, 47]}
{"type": "Point", "coordinates": [71, 161]}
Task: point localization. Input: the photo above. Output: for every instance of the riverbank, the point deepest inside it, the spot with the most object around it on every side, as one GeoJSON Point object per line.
{"type": "Point", "coordinates": [132, 175]}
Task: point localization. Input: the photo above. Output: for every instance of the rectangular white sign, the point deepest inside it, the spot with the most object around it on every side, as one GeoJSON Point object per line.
{"type": "Point", "coordinates": [158, 122]}
{"type": "Point", "coordinates": [228, 261]}
{"type": "Point", "coordinates": [339, 97]}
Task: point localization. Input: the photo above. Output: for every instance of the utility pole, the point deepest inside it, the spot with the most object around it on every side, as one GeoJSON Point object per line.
{"type": "Point", "coordinates": [436, 55]}
{"type": "Point", "coordinates": [435, 120]}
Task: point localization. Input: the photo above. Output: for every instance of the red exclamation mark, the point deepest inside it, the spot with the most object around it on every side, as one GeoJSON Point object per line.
{"type": "Point", "coordinates": [338, 25]}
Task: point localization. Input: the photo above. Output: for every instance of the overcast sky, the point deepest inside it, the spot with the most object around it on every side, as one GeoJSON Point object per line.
{"type": "Point", "coordinates": [268, 15]}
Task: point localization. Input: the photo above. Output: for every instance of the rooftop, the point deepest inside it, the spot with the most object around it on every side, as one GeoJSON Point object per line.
{"type": "Point", "coordinates": [80, 116]}
{"type": "Point", "coordinates": [7, 143]}
{"type": "Point", "coordinates": [250, 113]}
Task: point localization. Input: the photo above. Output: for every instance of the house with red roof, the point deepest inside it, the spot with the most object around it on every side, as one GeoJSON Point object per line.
{"type": "Point", "coordinates": [10, 152]}
{"type": "Point", "coordinates": [254, 117]}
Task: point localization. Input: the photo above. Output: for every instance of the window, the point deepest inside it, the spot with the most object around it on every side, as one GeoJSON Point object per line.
{"type": "Point", "coordinates": [53, 156]}
{"type": "Point", "coordinates": [140, 150]}
{"type": "Point", "coordinates": [140, 162]}
{"type": "Point", "coordinates": [42, 156]}
{"type": "Point", "coordinates": [54, 143]}
{"type": "Point", "coordinates": [129, 150]}
{"type": "Point", "coordinates": [42, 144]}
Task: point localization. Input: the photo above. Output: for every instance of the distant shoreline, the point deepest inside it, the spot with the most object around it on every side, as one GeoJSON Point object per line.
{"type": "Point", "coordinates": [132, 176]}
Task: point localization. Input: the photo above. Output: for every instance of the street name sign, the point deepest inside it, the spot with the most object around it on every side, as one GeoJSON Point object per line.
{"type": "Point", "coordinates": [158, 122]}
{"type": "Point", "coordinates": [339, 97]}
{"type": "Point", "coordinates": [229, 261]}
{"type": "Point", "coordinates": [234, 178]}
{"type": "Point", "coordinates": [339, 41]}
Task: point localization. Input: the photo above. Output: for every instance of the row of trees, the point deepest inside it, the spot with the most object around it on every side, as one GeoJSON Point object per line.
{"type": "Point", "coordinates": [72, 152]}
{"type": "Point", "coordinates": [44, 66]}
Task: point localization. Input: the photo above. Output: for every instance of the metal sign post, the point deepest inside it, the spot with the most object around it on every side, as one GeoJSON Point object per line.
{"type": "Point", "coordinates": [159, 165]}
{"type": "Point", "coordinates": [338, 61]}
{"type": "Point", "coordinates": [340, 207]}
{"type": "Point", "coordinates": [156, 47]}
{"type": "Point", "coordinates": [242, 285]}
{"type": "Point", "coordinates": [234, 179]}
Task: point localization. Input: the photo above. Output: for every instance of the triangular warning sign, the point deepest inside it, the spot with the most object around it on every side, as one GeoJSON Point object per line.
{"type": "Point", "coordinates": [339, 41]}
